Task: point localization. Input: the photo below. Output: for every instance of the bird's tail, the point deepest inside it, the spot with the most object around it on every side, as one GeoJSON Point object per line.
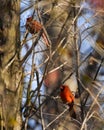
{"type": "Point", "coordinates": [72, 111]}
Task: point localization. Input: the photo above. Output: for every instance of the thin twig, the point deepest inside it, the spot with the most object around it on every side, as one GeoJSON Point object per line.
{"type": "Point", "coordinates": [66, 78]}
{"type": "Point", "coordinates": [87, 96]}
{"type": "Point", "coordinates": [24, 39]}
{"type": "Point", "coordinates": [57, 118]}
{"type": "Point", "coordinates": [88, 113]}
{"type": "Point", "coordinates": [42, 118]}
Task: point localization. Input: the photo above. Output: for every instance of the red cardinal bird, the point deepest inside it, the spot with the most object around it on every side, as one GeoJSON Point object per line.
{"type": "Point", "coordinates": [67, 97]}
{"type": "Point", "coordinates": [34, 26]}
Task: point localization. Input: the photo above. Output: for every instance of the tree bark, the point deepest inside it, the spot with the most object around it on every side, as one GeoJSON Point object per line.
{"type": "Point", "coordinates": [10, 70]}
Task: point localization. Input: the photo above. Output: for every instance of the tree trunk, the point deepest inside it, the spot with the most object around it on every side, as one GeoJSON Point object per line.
{"type": "Point", "coordinates": [10, 70]}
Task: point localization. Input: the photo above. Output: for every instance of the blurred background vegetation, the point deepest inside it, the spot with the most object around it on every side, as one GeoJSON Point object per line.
{"type": "Point", "coordinates": [32, 71]}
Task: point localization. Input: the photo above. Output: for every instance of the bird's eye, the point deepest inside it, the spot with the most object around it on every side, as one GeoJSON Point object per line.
{"type": "Point", "coordinates": [62, 88]}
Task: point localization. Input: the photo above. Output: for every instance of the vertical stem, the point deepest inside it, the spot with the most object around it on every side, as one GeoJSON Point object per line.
{"type": "Point", "coordinates": [76, 57]}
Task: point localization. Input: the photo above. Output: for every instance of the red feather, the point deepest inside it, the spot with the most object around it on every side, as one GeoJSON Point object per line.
{"type": "Point", "coordinates": [67, 97]}
{"type": "Point", "coordinates": [66, 94]}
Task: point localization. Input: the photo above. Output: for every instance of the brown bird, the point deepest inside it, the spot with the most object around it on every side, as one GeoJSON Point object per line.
{"type": "Point", "coordinates": [34, 26]}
